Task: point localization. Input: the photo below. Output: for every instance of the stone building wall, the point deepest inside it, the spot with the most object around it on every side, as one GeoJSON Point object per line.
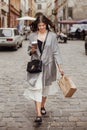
{"type": "Point", "coordinates": [80, 9]}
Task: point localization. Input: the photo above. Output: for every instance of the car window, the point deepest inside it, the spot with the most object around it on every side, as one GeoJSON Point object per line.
{"type": "Point", "coordinates": [16, 32]}
{"type": "Point", "coordinates": [5, 33]}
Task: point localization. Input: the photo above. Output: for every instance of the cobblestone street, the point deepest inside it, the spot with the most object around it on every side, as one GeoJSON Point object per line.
{"type": "Point", "coordinates": [17, 113]}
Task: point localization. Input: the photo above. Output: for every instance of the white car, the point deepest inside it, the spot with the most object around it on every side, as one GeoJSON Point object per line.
{"type": "Point", "coordinates": [10, 37]}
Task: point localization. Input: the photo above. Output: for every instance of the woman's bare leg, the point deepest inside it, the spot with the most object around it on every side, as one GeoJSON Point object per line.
{"type": "Point", "coordinates": [38, 119]}
{"type": "Point", "coordinates": [38, 108]}
{"type": "Point", "coordinates": [38, 105]}
{"type": "Point", "coordinates": [43, 101]}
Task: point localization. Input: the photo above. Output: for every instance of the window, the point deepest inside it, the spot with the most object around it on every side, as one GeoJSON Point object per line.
{"type": "Point", "coordinates": [16, 32]}
{"type": "Point", "coordinates": [64, 13]}
{"type": "Point", "coordinates": [39, 6]}
{"type": "Point", "coordinates": [70, 12]}
{"type": "Point", "coordinates": [5, 33]}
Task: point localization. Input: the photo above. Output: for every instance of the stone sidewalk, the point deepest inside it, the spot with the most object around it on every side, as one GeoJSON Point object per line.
{"type": "Point", "coordinates": [17, 113]}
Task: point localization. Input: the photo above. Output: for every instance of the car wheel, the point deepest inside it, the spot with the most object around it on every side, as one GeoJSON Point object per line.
{"type": "Point", "coordinates": [21, 45]}
{"type": "Point", "coordinates": [16, 47]}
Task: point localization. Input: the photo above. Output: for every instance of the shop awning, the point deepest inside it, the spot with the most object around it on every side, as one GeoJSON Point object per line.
{"type": "Point", "coordinates": [26, 18]}
{"type": "Point", "coordinates": [84, 21]}
{"type": "Point", "coordinates": [68, 22]}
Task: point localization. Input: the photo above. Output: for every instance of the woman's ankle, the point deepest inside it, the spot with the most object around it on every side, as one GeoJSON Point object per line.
{"type": "Point", "coordinates": [39, 115]}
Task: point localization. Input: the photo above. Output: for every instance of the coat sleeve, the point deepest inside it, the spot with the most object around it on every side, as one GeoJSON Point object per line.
{"type": "Point", "coordinates": [29, 44]}
{"type": "Point", "coordinates": [31, 38]}
{"type": "Point", "coordinates": [56, 50]}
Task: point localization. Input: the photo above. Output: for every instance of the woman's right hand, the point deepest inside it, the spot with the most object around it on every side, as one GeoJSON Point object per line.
{"type": "Point", "coordinates": [33, 49]}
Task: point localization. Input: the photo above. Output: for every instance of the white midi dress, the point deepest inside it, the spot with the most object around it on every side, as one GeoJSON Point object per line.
{"type": "Point", "coordinates": [35, 93]}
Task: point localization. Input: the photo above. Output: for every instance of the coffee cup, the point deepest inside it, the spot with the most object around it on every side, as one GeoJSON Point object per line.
{"type": "Point", "coordinates": [34, 44]}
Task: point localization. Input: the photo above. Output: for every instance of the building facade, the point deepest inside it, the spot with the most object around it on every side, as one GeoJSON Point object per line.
{"type": "Point", "coordinates": [74, 9]}
{"type": "Point", "coordinates": [55, 10]}
{"type": "Point", "coordinates": [10, 10]}
{"type": "Point", "coordinates": [30, 7]}
{"type": "Point", "coordinates": [14, 12]}
{"type": "Point", "coordinates": [50, 8]}
{"type": "Point", "coordinates": [41, 6]}
{"type": "Point", "coordinates": [80, 9]}
{"type": "Point", "coordinates": [3, 13]}
{"type": "Point", "coordinates": [69, 10]}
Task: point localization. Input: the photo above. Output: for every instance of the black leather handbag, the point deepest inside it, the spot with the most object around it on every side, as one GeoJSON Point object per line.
{"type": "Point", "coordinates": [35, 66]}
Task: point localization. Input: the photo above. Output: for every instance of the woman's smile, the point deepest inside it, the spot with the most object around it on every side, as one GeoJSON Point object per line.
{"type": "Point", "coordinates": [42, 27]}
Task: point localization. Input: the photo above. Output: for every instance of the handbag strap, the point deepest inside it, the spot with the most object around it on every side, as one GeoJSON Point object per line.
{"type": "Point", "coordinates": [44, 43]}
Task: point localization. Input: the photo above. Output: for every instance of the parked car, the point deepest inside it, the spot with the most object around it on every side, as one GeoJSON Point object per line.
{"type": "Point", "coordinates": [10, 37]}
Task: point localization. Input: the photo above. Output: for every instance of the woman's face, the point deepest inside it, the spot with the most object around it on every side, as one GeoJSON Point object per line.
{"type": "Point", "coordinates": [42, 27]}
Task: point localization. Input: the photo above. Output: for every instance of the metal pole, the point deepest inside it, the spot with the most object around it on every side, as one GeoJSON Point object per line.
{"type": "Point", "coordinates": [67, 26]}
{"type": "Point", "coordinates": [0, 12]}
{"type": "Point", "coordinates": [9, 15]}
{"type": "Point", "coordinates": [67, 9]}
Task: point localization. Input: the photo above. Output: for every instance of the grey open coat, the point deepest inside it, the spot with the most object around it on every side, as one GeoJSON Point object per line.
{"type": "Point", "coordinates": [50, 57]}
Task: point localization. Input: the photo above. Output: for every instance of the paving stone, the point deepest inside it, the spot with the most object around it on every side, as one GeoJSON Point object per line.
{"type": "Point", "coordinates": [68, 128]}
{"type": "Point", "coordinates": [80, 124]}
{"type": "Point", "coordinates": [55, 128]}
{"type": "Point", "coordinates": [80, 128]}
{"type": "Point", "coordinates": [3, 128]}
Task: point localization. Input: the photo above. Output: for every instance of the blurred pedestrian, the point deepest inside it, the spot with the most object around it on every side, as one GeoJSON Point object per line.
{"type": "Point", "coordinates": [18, 27]}
{"type": "Point", "coordinates": [77, 33]}
{"type": "Point", "coordinates": [41, 84]}
{"type": "Point", "coordinates": [83, 33]}
{"type": "Point", "coordinates": [63, 37]}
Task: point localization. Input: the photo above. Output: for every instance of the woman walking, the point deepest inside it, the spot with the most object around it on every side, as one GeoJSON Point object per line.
{"type": "Point", "coordinates": [40, 84]}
